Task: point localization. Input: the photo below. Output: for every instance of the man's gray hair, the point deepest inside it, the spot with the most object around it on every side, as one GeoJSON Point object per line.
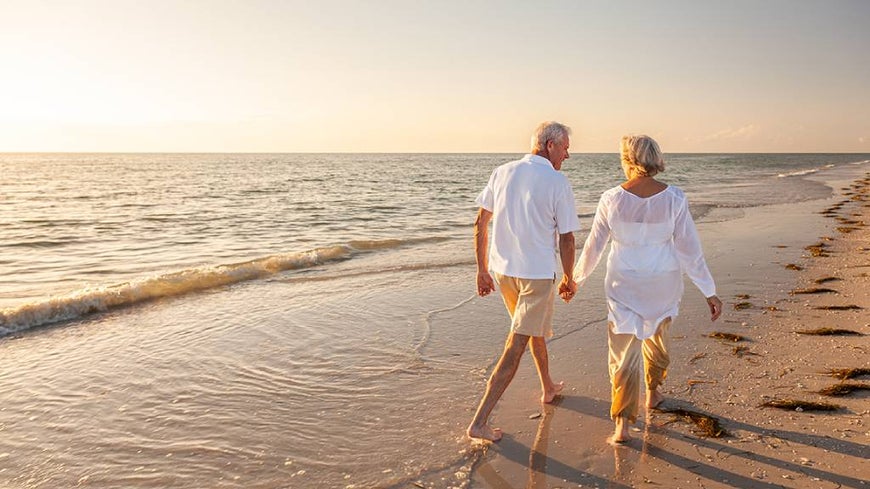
{"type": "Point", "coordinates": [549, 131]}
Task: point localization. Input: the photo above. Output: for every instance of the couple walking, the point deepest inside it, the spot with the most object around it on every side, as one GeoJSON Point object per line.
{"type": "Point", "coordinates": [654, 242]}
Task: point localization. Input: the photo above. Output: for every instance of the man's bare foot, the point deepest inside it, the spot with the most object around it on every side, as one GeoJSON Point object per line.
{"type": "Point", "coordinates": [653, 399]}
{"type": "Point", "coordinates": [485, 432]}
{"type": "Point", "coordinates": [620, 434]}
{"type": "Point", "coordinates": [552, 392]}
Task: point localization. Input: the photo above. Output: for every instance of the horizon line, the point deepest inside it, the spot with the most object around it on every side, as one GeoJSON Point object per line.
{"type": "Point", "coordinates": [401, 152]}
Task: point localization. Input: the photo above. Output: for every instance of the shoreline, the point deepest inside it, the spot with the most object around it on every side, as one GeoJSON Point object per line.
{"type": "Point", "coordinates": [563, 445]}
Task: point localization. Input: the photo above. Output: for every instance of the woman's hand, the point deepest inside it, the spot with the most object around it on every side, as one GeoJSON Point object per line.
{"type": "Point", "coordinates": [715, 307]}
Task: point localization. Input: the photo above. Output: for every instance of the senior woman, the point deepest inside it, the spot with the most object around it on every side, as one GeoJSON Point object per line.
{"type": "Point", "coordinates": [654, 243]}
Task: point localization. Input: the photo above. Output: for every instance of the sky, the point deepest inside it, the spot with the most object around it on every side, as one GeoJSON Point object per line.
{"type": "Point", "coordinates": [432, 76]}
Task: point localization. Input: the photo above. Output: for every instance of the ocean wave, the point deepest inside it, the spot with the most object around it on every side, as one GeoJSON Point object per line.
{"type": "Point", "coordinates": [808, 171]}
{"type": "Point", "coordinates": [81, 303]}
{"type": "Point", "coordinates": [379, 244]}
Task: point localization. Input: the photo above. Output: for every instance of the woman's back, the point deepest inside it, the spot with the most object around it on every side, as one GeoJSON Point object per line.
{"type": "Point", "coordinates": [642, 228]}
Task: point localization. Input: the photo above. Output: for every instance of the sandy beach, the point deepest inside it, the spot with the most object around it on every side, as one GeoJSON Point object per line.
{"type": "Point", "coordinates": [781, 270]}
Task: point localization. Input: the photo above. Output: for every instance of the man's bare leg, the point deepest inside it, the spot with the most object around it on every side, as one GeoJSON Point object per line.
{"type": "Point", "coordinates": [549, 388]}
{"type": "Point", "coordinates": [501, 377]}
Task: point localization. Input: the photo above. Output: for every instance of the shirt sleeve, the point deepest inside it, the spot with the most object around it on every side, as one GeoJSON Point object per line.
{"type": "Point", "coordinates": [598, 237]}
{"type": "Point", "coordinates": [689, 252]}
{"type": "Point", "coordinates": [485, 198]}
{"type": "Point", "coordinates": [566, 210]}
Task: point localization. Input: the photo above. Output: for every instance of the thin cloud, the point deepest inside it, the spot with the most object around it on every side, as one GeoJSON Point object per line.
{"type": "Point", "coordinates": [745, 132]}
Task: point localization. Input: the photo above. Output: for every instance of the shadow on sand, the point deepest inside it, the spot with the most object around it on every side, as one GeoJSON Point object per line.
{"type": "Point", "coordinates": [654, 443]}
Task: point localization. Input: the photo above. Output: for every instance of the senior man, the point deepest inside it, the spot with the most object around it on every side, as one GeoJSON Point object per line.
{"type": "Point", "coordinates": [530, 203]}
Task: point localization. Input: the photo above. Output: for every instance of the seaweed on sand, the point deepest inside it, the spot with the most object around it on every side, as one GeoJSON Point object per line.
{"type": "Point", "coordinates": [697, 357]}
{"type": "Point", "coordinates": [742, 305]}
{"type": "Point", "coordinates": [706, 425]}
{"type": "Point", "coordinates": [742, 296]}
{"type": "Point", "coordinates": [826, 279]}
{"type": "Point", "coordinates": [830, 332]}
{"type": "Point", "coordinates": [844, 389]}
{"type": "Point", "coordinates": [818, 249]}
{"type": "Point", "coordinates": [727, 336]}
{"type": "Point", "coordinates": [741, 351]}
{"type": "Point", "coordinates": [814, 290]}
{"type": "Point", "coordinates": [792, 266]}
{"type": "Point", "coordinates": [848, 373]}
{"type": "Point", "coordinates": [839, 308]}
{"type": "Point", "coordinates": [794, 405]}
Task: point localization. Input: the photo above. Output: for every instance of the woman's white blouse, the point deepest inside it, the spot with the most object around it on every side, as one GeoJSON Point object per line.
{"type": "Point", "coordinates": [654, 242]}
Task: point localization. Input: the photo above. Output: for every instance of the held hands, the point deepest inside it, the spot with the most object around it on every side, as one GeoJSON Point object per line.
{"type": "Point", "coordinates": [485, 285]}
{"type": "Point", "coordinates": [567, 289]}
{"type": "Point", "coordinates": [715, 307]}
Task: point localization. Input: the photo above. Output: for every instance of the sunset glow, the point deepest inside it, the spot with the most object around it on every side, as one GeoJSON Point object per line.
{"type": "Point", "coordinates": [393, 76]}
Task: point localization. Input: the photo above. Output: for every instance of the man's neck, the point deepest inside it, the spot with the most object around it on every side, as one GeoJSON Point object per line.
{"type": "Point", "coordinates": [543, 153]}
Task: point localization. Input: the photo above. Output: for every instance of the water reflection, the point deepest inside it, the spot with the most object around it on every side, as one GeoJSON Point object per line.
{"type": "Point", "coordinates": [538, 454]}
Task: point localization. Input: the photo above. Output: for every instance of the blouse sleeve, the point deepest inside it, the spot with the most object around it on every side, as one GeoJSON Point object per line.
{"type": "Point", "coordinates": [689, 252]}
{"type": "Point", "coordinates": [598, 237]}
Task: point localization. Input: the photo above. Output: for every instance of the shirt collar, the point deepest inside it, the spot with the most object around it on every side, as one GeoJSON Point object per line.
{"type": "Point", "coordinates": [538, 160]}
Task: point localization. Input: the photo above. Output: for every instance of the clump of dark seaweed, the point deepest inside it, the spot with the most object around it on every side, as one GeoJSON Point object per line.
{"type": "Point", "coordinates": [850, 222]}
{"type": "Point", "coordinates": [826, 279]}
{"type": "Point", "coordinates": [697, 357]}
{"type": "Point", "coordinates": [795, 405]}
{"type": "Point", "coordinates": [742, 305]}
{"type": "Point", "coordinates": [830, 332]}
{"type": "Point", "coordinates": [849, 307]}
{"type": "Point", "coordinates": [844, 389]}
{"type": "Point", "coordinates": [792, 266]}
{"type": "Point", "coordinates": [814, 290]}
{"type": "Point", "coordinates": [727, 336]}
{"type": "Point", "coordinates": [741, 351]}
{"type": "Point", "coordinates": [846, 229]}
{"type": "Point", "coordinates": [818, 249]}
{"type": "Point", "coordinates": [742, 296]}
{"type": "Point", "coordinates": [706, 425]}
{"type": "Point", "coordinates": [848, 373]}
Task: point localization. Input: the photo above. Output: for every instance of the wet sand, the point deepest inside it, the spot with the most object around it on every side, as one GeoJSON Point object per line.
{"type": "Point", "coordinates": [762, 262]}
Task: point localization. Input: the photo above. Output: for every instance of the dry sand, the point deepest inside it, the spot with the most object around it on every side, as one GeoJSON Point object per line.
{"type": "Point", "coordinates": [564, 445]}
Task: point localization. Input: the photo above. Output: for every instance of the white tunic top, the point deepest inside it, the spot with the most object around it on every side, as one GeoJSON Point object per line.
{"type": "Point", "coordinates": [531, 204]}
{"type": "Point", "coordinates": [654, 242]}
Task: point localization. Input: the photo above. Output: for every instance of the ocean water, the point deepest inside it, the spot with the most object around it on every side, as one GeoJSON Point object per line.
{"type": "Point", "coordinates": [287, 320]}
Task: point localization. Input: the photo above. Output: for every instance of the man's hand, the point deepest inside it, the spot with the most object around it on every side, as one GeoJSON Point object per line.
{"type": "Point", "coordinates": [485, 285]}
{"type": "Point", "coordinates": [715, 307]}
{"type": "Point", "coordinates": [567, 289]}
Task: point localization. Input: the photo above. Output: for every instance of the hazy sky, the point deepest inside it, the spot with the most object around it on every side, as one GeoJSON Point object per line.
{"type": "Point", "coordinates": [433, 76]}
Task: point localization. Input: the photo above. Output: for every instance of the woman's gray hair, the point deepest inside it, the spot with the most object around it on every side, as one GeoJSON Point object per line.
{"type": "Point", "coordinates": [641, 156]}
{"type": "Point", "coordinates": [549, 131]}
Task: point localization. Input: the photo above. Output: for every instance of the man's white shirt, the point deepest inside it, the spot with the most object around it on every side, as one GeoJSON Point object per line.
{"type": "Point", "coordinates": [532, 204]}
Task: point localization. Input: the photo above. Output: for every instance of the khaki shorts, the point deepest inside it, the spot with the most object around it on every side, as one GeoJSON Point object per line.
{"type": "Point", "coordinates": [530, 303]}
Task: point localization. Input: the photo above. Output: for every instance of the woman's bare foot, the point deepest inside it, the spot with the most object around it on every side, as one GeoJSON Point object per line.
{"type": "Point", "coordinates": [620, 434]}
{"type": "Point", "coordinates": [653, 399]}
{"type": "Point", "coordinates": [485, 432]}
{"type": "Point", "coordinates": [552, 392]}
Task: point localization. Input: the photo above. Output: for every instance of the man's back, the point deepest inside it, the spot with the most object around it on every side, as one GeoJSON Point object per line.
{"type": "Point", "coordinates": [531, 204]}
